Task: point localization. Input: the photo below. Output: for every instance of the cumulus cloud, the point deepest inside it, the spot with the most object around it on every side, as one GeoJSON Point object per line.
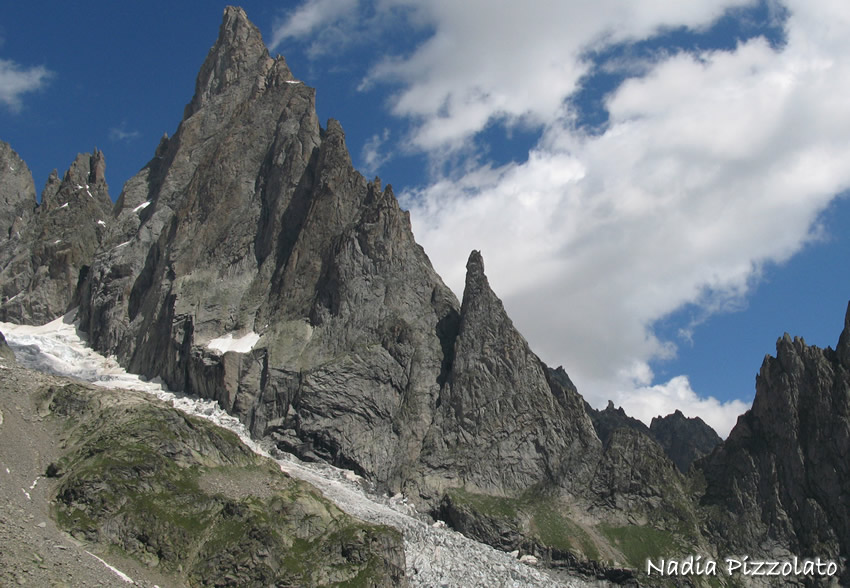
{"type": "Point", "coordinates": [16, 80]}
{"type": "Point", "coordinates": [651, 401]}
{"type": "Point", "coordinates": [120, 133]}
{"type": "Point", "coordinates": [712, 165]}
{"type": "Point", "coordinates": [328, 20]}
{"type": "Point", "coordinates": [374, 154]}
{"type": "Point", "coordinates": [467, 74]}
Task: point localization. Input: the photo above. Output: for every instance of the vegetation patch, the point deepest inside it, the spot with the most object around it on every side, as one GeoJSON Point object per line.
{"type": "Point", "coordinates": [533, 519]}
{"type": "Point", "coordinates": [166, 489]}
{"type": "Point", "coordinates": [639, 543]}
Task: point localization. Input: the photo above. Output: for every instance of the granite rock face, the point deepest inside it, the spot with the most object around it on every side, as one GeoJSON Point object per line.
{"type": "Point", "coordinates": [502, 422]}
{"type": "Point", "coordinates": [6, 353]}
{"type": "Point", "coordinates": [779, 483]}
{"type": "Point", "coordinates": [251, 224]}
{"type": "Point", "coordinates": [51, 247]}
{"type": "Point", "coordinates": [17, 194]}
{"type": "Point", "coordinates": [684, 439]}
{"type": "Point", "coordinates": [251, 220]}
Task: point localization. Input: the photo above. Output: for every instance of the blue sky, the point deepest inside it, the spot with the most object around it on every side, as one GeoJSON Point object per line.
{"type": "Point", "coordinates": [657, 188]}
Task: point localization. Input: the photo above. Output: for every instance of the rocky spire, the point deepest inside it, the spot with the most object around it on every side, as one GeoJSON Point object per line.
{"type": "Point", "coordinates": [498, 398]}
{"type": "Point", "coordinates": [51, 188]}
{"type": "Point", "coordinates": [237, 64]}
{"type": "Point", "coordinates": [17, 192]}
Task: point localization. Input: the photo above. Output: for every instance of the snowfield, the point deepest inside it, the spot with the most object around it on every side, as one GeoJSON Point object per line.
{"type": "Point", "coordinates": [435, 555]}
{"type": "Point", "coordinates": [228, 342]}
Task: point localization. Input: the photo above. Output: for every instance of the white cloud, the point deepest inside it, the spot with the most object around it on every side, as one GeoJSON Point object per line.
{"type": "Point", "coordinates": [321, 18]}
{"type": "Point", "coordinates": [711, 166]}
{"type": "Point", "coordinates": [373, 153]}
{"type": "Point", "coordinates": [651, 401]}
{"type": "Point", "coordinates": [120, 133]}
{"type": "Point", "coordinates": [513, 61]}
{"type": "Point", "coordinates": [16, 80]}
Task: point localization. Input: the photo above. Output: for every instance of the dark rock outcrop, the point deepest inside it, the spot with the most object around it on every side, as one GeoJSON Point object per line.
{"type": "Point", "coordinates": [779, 484]}
{"type": "Point", "coordinates": [49, 250]}
{"type": "Point", "coordinates": [684, 439]}
{"type": "Point", "coordinates": [6, 353]}
{"type": "Point", "coordinates": [17, 195]}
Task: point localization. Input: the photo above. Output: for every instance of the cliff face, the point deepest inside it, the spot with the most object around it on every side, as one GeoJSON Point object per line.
{"type": "Point", "coordinates": [780, 482]}
{"type": "Point", "coordinates": [251, 224]}
{"type": "Point", "coordinates": [500, 424]}
{"type": "Point", "coordinates": [17, 194]}
{"type": "Point", "coordinates": [49, 247]}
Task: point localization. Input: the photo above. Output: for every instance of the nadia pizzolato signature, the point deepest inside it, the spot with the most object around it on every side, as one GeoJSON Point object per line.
{"type": "Point", "coordinates": [696, 565]}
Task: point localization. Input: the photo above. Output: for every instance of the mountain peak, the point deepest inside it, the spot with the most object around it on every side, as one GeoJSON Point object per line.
{"type": "Point", "coordinates": [237, 31]}
{"type": "Point", "coordinates": [475, 275]}
{"type": "Point", "coordinates": [236, 62]}
{"type": "Point", "coordinates": [87, 168]}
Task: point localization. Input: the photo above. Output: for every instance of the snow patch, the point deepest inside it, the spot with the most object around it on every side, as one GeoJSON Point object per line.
{"type": "Point", "coordinates": [101, 223]}
{"type": "Point", "coordinates": [242, 344]}
{"type": "Point", "coordinates": [27, 494]}
{"type": "Point", "coordinates": [121, 244]}
{"type": "Point", "coordinates": [89, 192]}
{"type": "Point", "coordinates": [57, 241]}
{"type": "Point", "coordinates": [64, 205]}
{"type": "Point", "coordinates": [116, 571]}
{"type": "Point", "coordinates": [293, 82]}
{"type": "Point", "coordinates": [32, 487]}
{"type": "Point", "coordinates": [142, 206]}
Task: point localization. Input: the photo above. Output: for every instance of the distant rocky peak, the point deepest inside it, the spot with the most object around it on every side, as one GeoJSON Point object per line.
{"type": "Point", "coordinates": [684, 439]}
{"type": "Point", "coordinates": [41, 268]}
{"type": "Point", "coordinates": [238, 61]}
{"type": "Point", "coordinates": [87, 169]}
{"type": "Point", "coordinates": [85, 180]}
{"type": "Point", "coordinates": [612, 418]}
